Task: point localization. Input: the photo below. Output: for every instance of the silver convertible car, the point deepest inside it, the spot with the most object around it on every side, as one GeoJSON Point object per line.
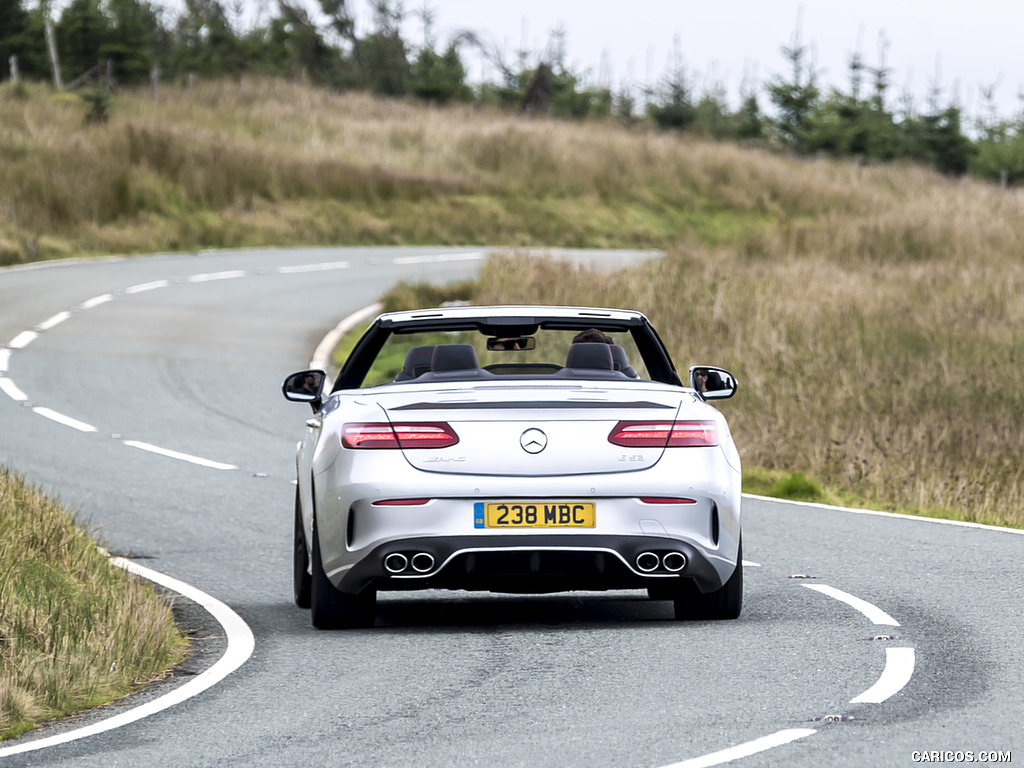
{"type": "Point", "coordinates": [519, 449]}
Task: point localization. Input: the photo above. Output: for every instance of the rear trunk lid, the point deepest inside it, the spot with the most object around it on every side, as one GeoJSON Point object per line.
{"type": "Point", "coordinates": [535, 431]}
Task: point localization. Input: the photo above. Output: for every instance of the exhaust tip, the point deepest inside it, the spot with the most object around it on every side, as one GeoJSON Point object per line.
{"type": "Point", "coordinates": [422, 562]}
{"type": "Point", "coordinates": [647, 561]}
{"type": "Point", "coordinates": [396, 562]}
{"type": "Point", "coordinates": [674, 561]}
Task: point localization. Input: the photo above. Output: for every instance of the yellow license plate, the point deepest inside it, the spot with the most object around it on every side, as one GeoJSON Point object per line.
{"type": "Point", "coordinates": [535, 514]}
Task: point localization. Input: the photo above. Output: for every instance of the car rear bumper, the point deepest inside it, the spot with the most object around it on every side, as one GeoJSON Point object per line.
{"type": "Point", "coordinates": [531, 564]}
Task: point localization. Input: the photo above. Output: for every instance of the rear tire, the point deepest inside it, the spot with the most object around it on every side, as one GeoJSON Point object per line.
{"type": "Point", "coordinates": [724, 603]}
{"type": "Point", "coordinates": [331, 609]}
{"type": "Point", "coordinates": [300, 560]}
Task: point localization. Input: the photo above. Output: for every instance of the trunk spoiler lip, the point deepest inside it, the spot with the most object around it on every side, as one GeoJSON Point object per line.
{"type": "Point", "coordinates": [499, 405]}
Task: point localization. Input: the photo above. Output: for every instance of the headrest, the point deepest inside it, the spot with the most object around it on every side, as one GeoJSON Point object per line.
{"type": "Point", "coordinates": [453, 357]}
{"type": "Point", "coordinates": [621, 362]}
{"type": "Point", "coordinates": [417, 362]}
{"type": "Point", "coordinates": [590, 354]}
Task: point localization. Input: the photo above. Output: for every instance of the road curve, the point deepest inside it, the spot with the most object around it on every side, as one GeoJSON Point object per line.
{"type": "Point", "coordinates": [145, 393]}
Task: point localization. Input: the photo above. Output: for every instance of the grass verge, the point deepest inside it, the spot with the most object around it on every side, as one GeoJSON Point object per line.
{"type": "Point", "coordinates": [75, 631]}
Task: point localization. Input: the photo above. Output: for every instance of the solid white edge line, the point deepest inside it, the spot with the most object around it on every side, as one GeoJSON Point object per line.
{"type": "Point", "coordinates": [60, 418]}
{"type": "Point", "coordinates": [241, 644]}
{"type": "Point", "coordinates": [899, 668]}
{"type": "Point", "coordinates": [322, 354]}
{"type": "Point", "coordinates": [11, 390]}
{"type": "Point", "coordinates": [897, 515]}
{"type": "Point", "coordinates": [873, 612]}
{"type": "Point", "coordinates": [746, 749]}
{"type": "Point", "coordinates": [178, 455]}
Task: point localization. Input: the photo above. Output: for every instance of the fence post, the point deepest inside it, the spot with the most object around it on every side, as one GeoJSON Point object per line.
{"type": "Point", "coordinates": [51, 44]}
{"type": "Point", "coordinates": [14, 69]}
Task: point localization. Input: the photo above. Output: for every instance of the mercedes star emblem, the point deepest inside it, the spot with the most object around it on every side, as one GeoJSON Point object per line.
{"type": "Point", "coordinates": [533, 441]}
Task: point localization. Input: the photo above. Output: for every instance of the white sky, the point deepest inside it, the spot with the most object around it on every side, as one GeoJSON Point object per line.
{"type": "Point", "coordinates": [963, 46]}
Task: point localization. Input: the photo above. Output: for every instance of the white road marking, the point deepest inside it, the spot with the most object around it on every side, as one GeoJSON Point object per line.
{"type": "Point", "coordinates": [241, 644]}
{"type": "Point", "coordinates": [210, 276]}
{"type": "Point", "coordinates": [899, 668]}
{"type": "Point", "coordinates": [746, 749]}
{"type": "Point", "coordinates": [54, 321]}
{"type": "Point", "coordinates": [143, 287]}
{"type": "Point", "coordinates": [324, 267]}
{"type": "Point", "coordinates": [873, 612]}
{"type": "Point", "coordinates": [5, 359]}
{"type": "Point", "coordinates": [96, 301]}
{"type": "Point", "coordinates": [22, 340]}
{"type": "Point", "coordinates": [60, 418]}
{"type": "Point", "coordinates": [178, 455]}
{"type": "Point", "coordinates": [437, 258]}
{"type": "Point", "coordinates": [322, 354]}
{"type": "Point", "coordinates": [11, 390]}
{"type": "Point", "coordinates": [750, 564]}
{"type": "Point", "coordinates": [890, 515]}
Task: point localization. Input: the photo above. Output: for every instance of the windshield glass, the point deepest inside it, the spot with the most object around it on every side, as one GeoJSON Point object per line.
{"type": "Point", "coordinates": [406, 357]}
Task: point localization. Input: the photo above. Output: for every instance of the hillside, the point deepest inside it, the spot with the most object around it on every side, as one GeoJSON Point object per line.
{"type": "Point", "coordinates": [872, 313]}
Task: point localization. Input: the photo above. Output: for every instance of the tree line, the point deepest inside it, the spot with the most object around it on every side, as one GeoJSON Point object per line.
{"type": "Point", "coordinates": [135, 42]}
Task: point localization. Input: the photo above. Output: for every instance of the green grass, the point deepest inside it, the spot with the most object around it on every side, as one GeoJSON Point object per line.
{"type": "Point", "coordinates": [75, 631]}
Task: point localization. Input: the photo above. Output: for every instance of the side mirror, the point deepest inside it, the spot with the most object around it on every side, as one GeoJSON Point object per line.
{"type": "Point", "coordinates": [305, 387]}
{"type": "Point", "coordinates": [712, 383]}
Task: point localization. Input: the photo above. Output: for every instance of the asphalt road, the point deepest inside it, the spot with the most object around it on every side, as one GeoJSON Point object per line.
{"type": "Point", "coordinates": [185, 354]}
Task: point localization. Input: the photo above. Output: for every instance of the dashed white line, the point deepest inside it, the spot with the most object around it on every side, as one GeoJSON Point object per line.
{"type": "Point", "coordinates": [438, 258]}
{"type": "Point", "coordinates": [143, 287]}
{"type": "Point", "coordinates": [22, 340]}
{"type": "Point", "coordinates": [96, 301]}
{"type": "Point", "coordinates": [60, 418]}
{"type": "Point", "coordinates": [54, 321]}
{"type": "Point", "coordinates": [178, 455]}
{"type": "Point", "coordinates": [746, 749]}
{"type": "Point", "coordinates": [323, 267]}
{"type": "Point", "coordinates": [11, 390]}
{"type": "Point", "coordinates": [241, 644]}
{"type": "Point", "coordinates": [899, 668]}
{"type": "Point", "coordinates": [873, 612]}
{"type": "Point", "coordinates": [210, 276]}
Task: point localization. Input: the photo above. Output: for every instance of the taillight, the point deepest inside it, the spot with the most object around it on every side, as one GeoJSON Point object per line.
{"type": "Point", "coordinates": [383, 435]}
{"type": "Point", "coordinates": [664, 434]}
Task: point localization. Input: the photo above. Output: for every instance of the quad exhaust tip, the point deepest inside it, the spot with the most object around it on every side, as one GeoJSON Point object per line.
{"type": "Point", "coordinates": [649, 562]}
{"type": "Point", "coordinates": [420, 562]}
{"type": "Point", "coordinates": [674, 562]}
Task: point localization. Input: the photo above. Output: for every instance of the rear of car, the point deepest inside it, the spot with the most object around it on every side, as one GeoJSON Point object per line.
{"type": "Point", "coordinates": [513, 481]}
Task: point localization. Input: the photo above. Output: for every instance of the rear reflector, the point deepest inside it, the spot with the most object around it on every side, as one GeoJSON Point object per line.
{"type": "Point", "coordinates": [382, 435]}
{"type": "Point", "coordinates": [665, 500]}
{"type": "Point", "coordinates": [400, 502]}
{"type": "Point", "coordinates": [664, 434]}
